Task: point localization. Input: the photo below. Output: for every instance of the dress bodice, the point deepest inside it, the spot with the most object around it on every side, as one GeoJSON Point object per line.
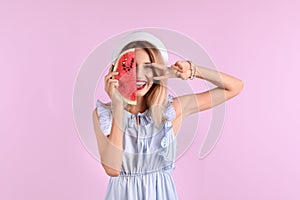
{"type": "Point", "coordinates": [146, 148]}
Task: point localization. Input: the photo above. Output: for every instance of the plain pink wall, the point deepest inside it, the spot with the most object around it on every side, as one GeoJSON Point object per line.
{"type": "Point", "coordinates": [43, 44]}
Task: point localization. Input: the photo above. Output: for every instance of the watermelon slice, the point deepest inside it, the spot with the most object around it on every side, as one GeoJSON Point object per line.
{"type": "Point", "coordinates": [126, 66]}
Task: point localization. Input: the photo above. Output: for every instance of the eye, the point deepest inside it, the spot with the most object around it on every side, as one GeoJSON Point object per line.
{"type": "Point", "coordinates": [148, 66]}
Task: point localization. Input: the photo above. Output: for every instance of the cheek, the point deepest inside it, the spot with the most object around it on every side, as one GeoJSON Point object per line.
{"type": "Point", "coordinates": [149, 72]}
{"type": "Point", "coordinates": [150, 84]}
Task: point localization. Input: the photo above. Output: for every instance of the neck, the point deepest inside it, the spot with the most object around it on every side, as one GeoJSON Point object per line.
{"type": "Point", "coordinates": [141, 105]}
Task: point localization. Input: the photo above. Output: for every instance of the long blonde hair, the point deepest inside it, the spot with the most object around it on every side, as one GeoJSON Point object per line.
{"type": "Point", "coordinates": [157, 96]}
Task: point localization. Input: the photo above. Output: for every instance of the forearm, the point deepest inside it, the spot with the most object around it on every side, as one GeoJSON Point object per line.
{"type": "Point", "coordinates": [110, 152]}
{"type": "Point", "coordinates": [219, 79]}
{"type": "Point", "coordinates": [115, 152]}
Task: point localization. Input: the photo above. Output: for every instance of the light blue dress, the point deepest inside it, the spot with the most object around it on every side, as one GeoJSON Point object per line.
{"type": "Point", "coordinates": [148, 159]}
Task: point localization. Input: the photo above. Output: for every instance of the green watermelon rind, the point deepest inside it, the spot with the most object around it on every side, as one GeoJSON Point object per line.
{"type": "Point", "coordinates": [128, 101]}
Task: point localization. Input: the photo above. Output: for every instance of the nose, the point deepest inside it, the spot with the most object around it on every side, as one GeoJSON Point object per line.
{"type": "Point", "coordinates": [139, 71]}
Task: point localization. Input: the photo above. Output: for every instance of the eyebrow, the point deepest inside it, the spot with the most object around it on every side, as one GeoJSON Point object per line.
{"type": "Point", "coordinates": [146, 63]}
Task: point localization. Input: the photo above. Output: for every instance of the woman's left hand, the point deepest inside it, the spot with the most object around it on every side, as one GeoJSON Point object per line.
{"type": "Point", "coordinates": [181, 69]}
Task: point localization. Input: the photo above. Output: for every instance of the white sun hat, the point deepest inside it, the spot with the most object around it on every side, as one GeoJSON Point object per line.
{"type": "Point", "coordinates": [142, 36]}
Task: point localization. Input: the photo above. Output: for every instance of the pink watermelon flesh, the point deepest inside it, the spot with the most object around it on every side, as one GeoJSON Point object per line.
{"type": "Point", "coordinates": [126, 66]}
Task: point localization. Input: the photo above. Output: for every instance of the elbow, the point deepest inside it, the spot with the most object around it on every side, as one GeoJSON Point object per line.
{"type": "Point", "coordinates": [111, 172]}
{"type": "Point", "coordinates": [235, 90]}
{"type": "Point", "coordinates": [238, 87]}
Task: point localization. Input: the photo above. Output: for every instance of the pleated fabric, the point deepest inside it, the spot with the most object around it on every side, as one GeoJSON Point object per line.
{"type": "Point", "coordinates": [148, 159]}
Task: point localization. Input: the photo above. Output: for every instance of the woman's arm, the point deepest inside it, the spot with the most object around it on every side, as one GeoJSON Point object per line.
{"type": "Point", "coordinates": [227, 87]}
{"type": "Point", "coordinates": [111, 147]}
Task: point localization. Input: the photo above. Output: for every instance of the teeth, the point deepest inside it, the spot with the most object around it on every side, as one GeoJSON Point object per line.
{"type": "Point", "coordinates": [140, 83]}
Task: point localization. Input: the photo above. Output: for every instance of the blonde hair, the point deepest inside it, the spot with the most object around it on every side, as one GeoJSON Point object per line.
{"type": "Point", "coordinates": [157, 96]}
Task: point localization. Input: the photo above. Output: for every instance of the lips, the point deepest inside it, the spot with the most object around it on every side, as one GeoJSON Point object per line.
{"type": "Point", "coordinates": [140, 84]}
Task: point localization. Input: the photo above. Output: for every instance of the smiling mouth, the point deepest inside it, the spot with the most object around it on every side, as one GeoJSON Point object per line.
{"type": "Point", "coordinates": [140, 84]}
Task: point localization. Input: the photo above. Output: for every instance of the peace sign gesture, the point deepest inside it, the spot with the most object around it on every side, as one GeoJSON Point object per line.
{"type": "Point", "coordinates": [181, 69]}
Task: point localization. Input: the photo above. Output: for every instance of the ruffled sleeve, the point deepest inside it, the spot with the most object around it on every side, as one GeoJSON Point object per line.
{"type": "Point", "coordinates": [169, 142]}
{"type": "Point", "coordinates": [105, 115]}
{"type": "Point", "coordinates": [170, 111]}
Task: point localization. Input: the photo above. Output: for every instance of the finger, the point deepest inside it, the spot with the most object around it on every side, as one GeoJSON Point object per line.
{"type": "Point", "coordinates": [177, 68]}
{"type": "Point", "coordinates": [159, 66]}
{"type": "Point", "coordinates": [110, 75]}
{"type": "Point", "coordinates": [180, 62]}
{"type": "Point", "coordinates": [171, 75]}
{"type": "Point", "coordinates": [115, 85]}
{"type": "Point", "coordinates": [149, 79]}
{"type": "Point", "coordinates": [112, 85]}
{"type": "Point", "coordinates": [112, 82]}
{"type": "Point", "coordinates": [178, 74]}
{"type": "Point", "coordinates": [158, 78]}
{"type": "Point", "coordinates": [179, 65]}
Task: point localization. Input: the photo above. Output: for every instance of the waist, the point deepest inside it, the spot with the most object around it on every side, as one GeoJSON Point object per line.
{"type": "Point", "coordinates": [165, 169]}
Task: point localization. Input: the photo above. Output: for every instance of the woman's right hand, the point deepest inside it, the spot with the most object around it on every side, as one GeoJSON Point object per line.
{"type": "Point", "coordinates": [111, 86]}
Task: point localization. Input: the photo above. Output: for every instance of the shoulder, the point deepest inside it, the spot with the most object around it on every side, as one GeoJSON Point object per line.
{"type": "Point", "coordinates": [103, 106]}
{"type": "Point", "coordinates": [173, 106]}
{"type": "Point", "coordinates": [170, 111]}
{"type": "Point", "coordinates": [175, 113]}
{"type": "Point", "coordinates": [104, 115]}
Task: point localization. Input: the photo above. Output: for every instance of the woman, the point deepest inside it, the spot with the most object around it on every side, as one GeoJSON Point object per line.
{"type": "Point", "coordinates": [137, 143]}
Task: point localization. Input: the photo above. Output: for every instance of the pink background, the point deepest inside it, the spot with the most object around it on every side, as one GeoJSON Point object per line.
{"type": "Point", "coordinates": [43, 44]}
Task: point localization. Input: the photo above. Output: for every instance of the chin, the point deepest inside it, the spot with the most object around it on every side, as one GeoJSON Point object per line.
{"type": "Point", "coordinates": [144, 91]}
